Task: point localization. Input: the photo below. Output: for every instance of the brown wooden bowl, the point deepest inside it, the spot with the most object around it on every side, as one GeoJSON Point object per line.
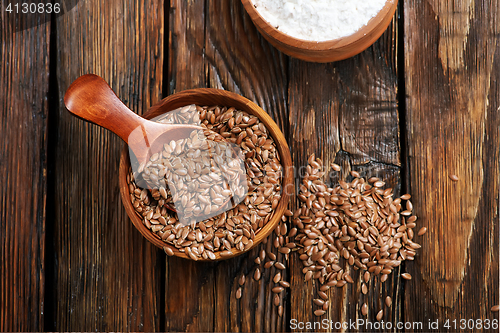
{"type": "Point", "coordinates": [212, 97]}
{"type": "Point", "coordinates": [326, 51]}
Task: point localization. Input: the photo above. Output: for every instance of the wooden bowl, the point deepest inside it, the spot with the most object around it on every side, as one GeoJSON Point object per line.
{"type": "Point", "coordinates": [326, 51]}
{"type": "Point", "coordinates": [212, 97]}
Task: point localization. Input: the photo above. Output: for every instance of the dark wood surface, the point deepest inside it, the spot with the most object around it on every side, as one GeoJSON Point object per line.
{"type": "Point", "coordinates": [419, 105]}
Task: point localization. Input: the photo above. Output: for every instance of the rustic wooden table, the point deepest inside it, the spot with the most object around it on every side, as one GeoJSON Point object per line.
{"type": "Point", "coordinates": [420, 104]}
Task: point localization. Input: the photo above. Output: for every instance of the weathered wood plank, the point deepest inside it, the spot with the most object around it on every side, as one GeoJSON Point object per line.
{"type": "Point", "coordinates": [202, 53]}
{"type": "Point", "coordinates": [189, 286]}
{"type": "Point", "coordinates": [347, 112]}
{"type": "Point", "coordinates": [24, 69]}
{"type": "Point", "coordinates": [240, 60]}
{"type": "Point", "coordinates": [107, 275]}
{"type": "Point", "coordinates": [452, 67]}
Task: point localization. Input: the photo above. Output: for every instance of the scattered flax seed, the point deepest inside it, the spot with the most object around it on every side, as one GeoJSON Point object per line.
{"type": "Point", "coordinates": [285, 284]}
{"type": "Point", "coordinates": [323, 295]}
{"type": "Point", "coordinates": [279, 265]}
{"type": "Point", "coordinates": [280, 311]}
{"type": "Point", "coordinates": [364, 309]}
{"type": "Point", "coordinates": [319, 312]}
{"type": "Point", "coordinates": [241, 281]}
{"type": "Point", "coordinates": [277, 290]}
{"type": "Point", "coordinates": [380, 314]}
{"type": "Point", "coordinates": [355, 225]}
{"type": "Point", "coordinates": [495, 308]}
{"type": "Point", "coordinates": [268, 264]}
{"type": "Point", "coordinates": [318, 302]}
{"type": "Point", "coordinates": [168, 251]}
{"type": "Point", "coordinates": [238, 293]}
{"type": "Point", "coordinates": [364, 289]}
{"type": "Point", "coordinates": [256, 274]}
{"type": "Point", "coordinates": [454, 178]}
{"type": "Point", "coordinates": [422, 231]}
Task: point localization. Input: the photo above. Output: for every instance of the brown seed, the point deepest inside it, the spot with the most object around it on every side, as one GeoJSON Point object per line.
{"type": "Point", "coordinates": [277, 289]}
{"type": "Point", "coordinates": [280, 311]}
{"type": "Point", "coordinates": [238, 293]}
{"type": "Point", "coordinates": [364, 309]}
{"type": "Point", "coordinates": [495, 308]}
{"type": "Point", "coordinates": [388, 301]}
{"type": "Point", "coordinates": [168, 251]}
{"type": "Point", "coordinates": [271, 256]}
{"type": "Point", "coordinates": [262, 255]}
{"type": "Point", "coordinates": [326, 305]}
{"type": "Point", "coordinates": [380, 314]}
{"type": "Point", "coordinates": [279, 265]}
{"type": "Point", "coordinates": [285, 284]}
{"type": "Point", "coordinates": [364, 289]}
{"type": "Point", "coordinates": [454, 177]}
{"type": "Point", "coordinates": [319, 312]}
{"type": "Point", "coordinates": [422, 231]}
{"type": "Point", "coordinates": [284, 250]}
{"type": "Point", "coordinates": [277, 277]}
{"type": "Point", "coordinates": [241, 281]}
{"type": "Point", "coordinates": [335, 167]}
{"type": "Point", "coordinates": [406, 276]}
{"type": "Point", "coordinates": [323, 295]}
{"type": "Point", "coordinates": [276, 300]}
{"type": "Point", "coordinates": [256, 274]}
{"type": "Point", "coordinates": [268, 264]}
{"type": "Point", "coordinates": [318, 302]}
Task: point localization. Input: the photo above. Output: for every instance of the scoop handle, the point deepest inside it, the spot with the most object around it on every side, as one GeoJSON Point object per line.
{"type": "Point", "coordinates": [91, 98]}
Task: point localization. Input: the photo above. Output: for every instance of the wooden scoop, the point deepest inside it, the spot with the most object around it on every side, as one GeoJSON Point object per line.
{"type": "Point", "coordinates": [90, 98]}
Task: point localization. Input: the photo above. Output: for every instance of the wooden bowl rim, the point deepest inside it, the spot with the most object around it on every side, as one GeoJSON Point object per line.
{"type": "Point", "coordinates": [369, 33]}
{"type": "Point", "coordinates": [170, 103]}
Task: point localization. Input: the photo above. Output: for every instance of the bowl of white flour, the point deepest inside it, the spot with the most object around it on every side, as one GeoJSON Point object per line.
{"type": "Point", "coordinates": [321, 30]}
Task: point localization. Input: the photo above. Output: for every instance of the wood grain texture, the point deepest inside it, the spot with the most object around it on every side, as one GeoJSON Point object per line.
{"type": "Point", "coordinates": [240, 60]}
{"type": "Point", "coordinates": [202, 53]}
{"type": "Point", "coordinates": [24, 68]}
{"type": "Point", "coordinates": [347, 113]}
{"type": "Point", "coordinates": [70, 259]}
{"type": "Point", "coordinates": [107, 276]}
{"type": "Point", "coordinates": [189, 286]}
{"type": "Point", "coordinates": [452, 67]}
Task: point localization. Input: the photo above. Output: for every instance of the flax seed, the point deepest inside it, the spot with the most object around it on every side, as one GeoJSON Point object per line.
{"type": "Point", "coordinates": [319, 312]}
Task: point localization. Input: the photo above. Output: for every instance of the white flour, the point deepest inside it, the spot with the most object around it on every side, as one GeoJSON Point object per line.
{"type": "Point", "coordinates": [318, 20]}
